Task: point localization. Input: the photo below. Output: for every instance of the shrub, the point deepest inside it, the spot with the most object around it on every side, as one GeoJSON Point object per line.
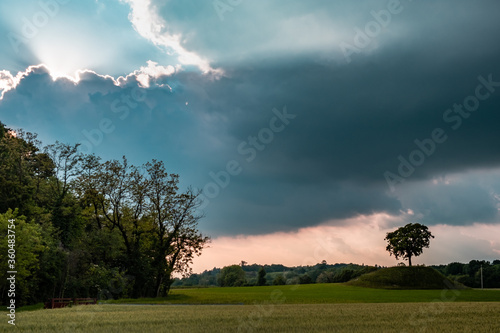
{"type": "Point", "coordinates": [279, 280]}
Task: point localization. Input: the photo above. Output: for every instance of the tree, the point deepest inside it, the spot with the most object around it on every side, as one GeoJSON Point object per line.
{"type": "Point", "coordinates": [175, 220]}
{"type": "Point", "coordinates": [455, 268]}
{"type": "Point", "coordinates": [408, 241]}
{"type": "Point", "coordinates": [157, 222]}
{"type": "Point", "coordinates": [305, 279]}
{"type": "Point", "coordinates": [65, 209]}
{"type": "Point", "coordinates": [261, 277]}
{"type": "Point", "coordinates": [325, 277]}
{"type": "Point", "coordinates": [231, 276]}
{"type": "Point", "coordinates": [279, 280]}
{"type": "Point", "coordinates": [25, 253]}
{"type": "Point", "coordinates": [344, 275]}
{"type": "Point", "coordinates": [90, 228]}
{"type": "Point", "coordinates": [18, 159]}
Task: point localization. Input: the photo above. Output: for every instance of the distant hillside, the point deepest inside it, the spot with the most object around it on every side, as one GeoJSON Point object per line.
{"type": "Point", "coordinates": [402, 277]}
{"type": "Point", "coordinates": [467, 274]}
{"type": "Point", "coordinates": [280, 274]}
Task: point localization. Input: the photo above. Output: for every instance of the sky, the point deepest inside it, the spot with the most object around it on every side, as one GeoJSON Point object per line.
{"type": "Point", "coordinates": [313, 128]}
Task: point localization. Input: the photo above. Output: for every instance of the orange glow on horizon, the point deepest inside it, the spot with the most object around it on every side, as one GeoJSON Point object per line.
{"type": "Point", "coordinates": [358, 240]}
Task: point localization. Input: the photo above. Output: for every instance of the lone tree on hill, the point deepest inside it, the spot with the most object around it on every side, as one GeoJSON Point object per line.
{"type": "Point", "coordinates": [408, 241]}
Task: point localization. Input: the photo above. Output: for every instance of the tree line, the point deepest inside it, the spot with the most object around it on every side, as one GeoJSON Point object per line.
{"type": "Point", "coordinates": [92, 228]}
{"type": "Point", "coordinates": [469, 273]}
{"type": "Point", "coordinates": [254, 275]}
{"type": "Point", "coordinates": [257, 275]}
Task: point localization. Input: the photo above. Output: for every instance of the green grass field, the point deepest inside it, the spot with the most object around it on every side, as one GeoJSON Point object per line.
{"type": "Point", "coordinates": [315, 294]}
{"type": "Point", "coordinates": [362, 317]}
{"type": "Point", "coordinates": [303, 308]}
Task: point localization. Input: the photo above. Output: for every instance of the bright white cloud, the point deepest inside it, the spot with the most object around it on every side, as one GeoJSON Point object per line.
{"type": "Point", "coordinates": [9, 81]}
{"type": "Point", "coordinates": [152, 72]}
{"type": "Point", "coordinates": [152, 27]}
{"type": "Point", "coordinates": [145, 76]}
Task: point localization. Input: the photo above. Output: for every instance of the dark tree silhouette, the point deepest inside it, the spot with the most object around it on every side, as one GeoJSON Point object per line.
{"type": "Point", "coordinates": [261, 278]}
{"type": "Point", "coordinates": [408, 241]}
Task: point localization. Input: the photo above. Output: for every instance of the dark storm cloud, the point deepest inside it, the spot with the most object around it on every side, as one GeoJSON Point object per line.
{"type": "Point", "coordinates": [354, 121]}
{"type": "Point", "coordinates": [351, 124]}
{"type": "Point", "coordinates": [72, 112]}
{"type": "Point", "coordinates": [459, 202]}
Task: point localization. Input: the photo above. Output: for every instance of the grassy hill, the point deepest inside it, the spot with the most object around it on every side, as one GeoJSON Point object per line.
{"type": "Point", "coordinates": [402, 277]}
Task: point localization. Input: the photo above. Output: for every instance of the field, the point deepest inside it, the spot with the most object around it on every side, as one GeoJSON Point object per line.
{"type": "Point", "coordinates": [304, 308]}
{"type": "Point", "coordinates": [365, 317]}
{"type": "Point", "coordinates": [317, 294]}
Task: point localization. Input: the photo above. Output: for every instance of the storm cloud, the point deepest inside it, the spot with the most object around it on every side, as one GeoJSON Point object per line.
{"type": "Point", "coordinates": [419, 106]}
